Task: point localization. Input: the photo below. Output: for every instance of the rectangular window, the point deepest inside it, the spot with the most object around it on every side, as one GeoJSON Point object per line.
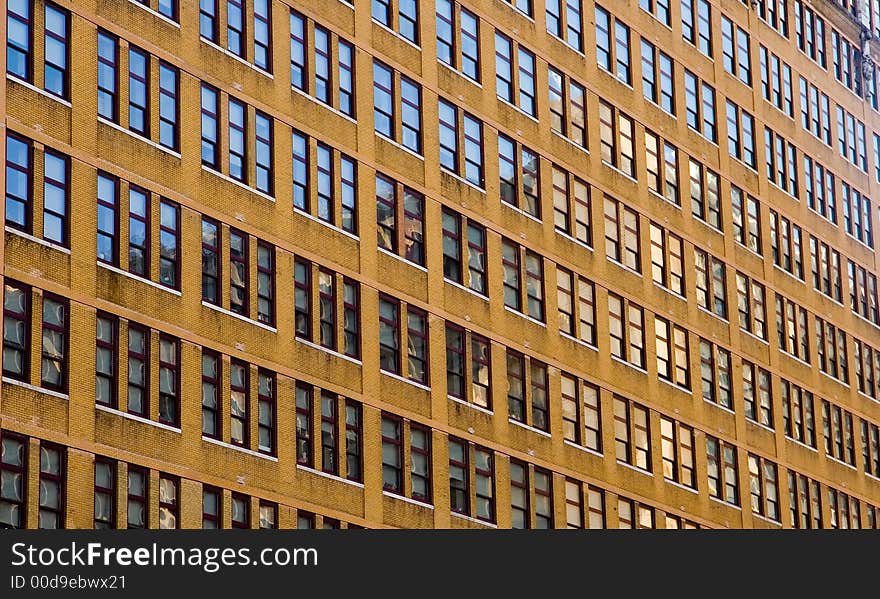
{"type": "Point", "coordinates": [237, 140]}
{"type": "Point", "coordinates": [138, 370]}
{"type": "Point", "coordinates": [461, 144]}
{"type": "Point", "coordinates": [700, 106]}
{"type": "Point", "coordinates": [786, 243]}
{"type": "Point", "coordinates": [627, 330]}
{"type": "Point", "coordinates": [519, 179]}
{"type": "Point", "coordinates": [238, 272]}
{"type": "Point", "coordinates": [138, 91]}
{"type": "Point", "coordinates": [210, 261]}
{"type": "Point", "coordinates": [677, 444]}
{"type": "Point", "coordinates": [137, 496]}
{"type": "Point", "coordinates": [169, 506]}
{"type": "Point", "coordinates": [353, 441]}
{"type": "Point", "coordinates": [351, 318]}
{"type": "Point", "coordinates": [265, 283]}
{"type": "Point", "coordinates": [667, 259]}
{"type": "Point", "coordinates": [392, 454]}
{"type": "Point", "coordinates": [622, 243]}
{"type": "Point", "coordinates": [105, 495]}
{"type": "Point", "coordinates": [616, 131]}
{"type": "Point", "coordinates": [211, 375]}
{"type": "Point", "coordinates": [169, 240]}
{"type": "Point", "coordinates": [53, 489]}
{"type": "Point", "coordinates": [106, 349]}
{"type": "Point", "coordinates": [304, 453]}
{"type": "Point", "coordinates": [263, 153]}
{"type": "Point", "coordinates": [389, 334]}
{"type": "Point", "coordinates": [168, 106]}
{"type": "Point", "coordinates": [798, 419]}
{"type": "Point", "coordinates": [212, 508]}
{"type": "Point", "coordinates": [208, 25]}
{"type": "Point", "coordinates": [671, 343]}
{"type": "Point", "coordinates": [577, 316]}
{"type": "Point", "coordinates": [757, 396]}
{"type": "Point", "coordinates": [420, 457]}
{"type": "Point", "coordinates": [138, 231]}
{"type": "Point", "coordinates": [417, 345]}
{"type": "Point", "coordinates": [17, 328]}
{"type": "Point", "coordinates": [169, 380]}
{"type": "Point", "coordinates": [838, 433]}
{"type": "Point", "coordinates": [721, 465]}
{"type": "Point", "coordinates": [19, 185]}
{"type": "Point", "coordinates": [56, 50]}
{"type": "Point", "coordinates": [632, 434]}
{"type": "Point", "coordinates": [329, 437]}
{"type": "Point", "coordinates": [581, 423]}
{"type": "Point", "coordinates": [763, 485]}
{"type": "Point", "coordinates": [108, 76]}
{"type": "Point", "coordinates": [19, 39]}
{"type": "Point", "coordinates": [715, 374]}
{"type": "Point", "coordinates": [54, 348]}
{"type": "Point", "coordinates": [56, 197]}
{"type": "Point", "coordinates": [696, 28]}
{"type": "Point", "coordinates": [746, 219]}
{"type": "Point", "coordinates": [711, 283]}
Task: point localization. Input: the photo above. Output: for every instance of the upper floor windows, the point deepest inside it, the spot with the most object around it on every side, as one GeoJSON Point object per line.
{"type": "Point", "coordinates": [469, 462]}
{"type": "Point", "coordinates": [397, 107]}
{"type": "Point", "coordinates": [700, 106]}
{"type": "Point", "coordinates": [667, 259]}
{"type": "Point", "coordinates": [524, 6]}
{"type": "Point", "coordinates": [576, 303]}
{"type": "Point", "coordinates": [627, 330]}
{"type": "Point", "coordinates": [521, 264]}
{"type": "Point", "coordinates": [324, 182]}
{"type": "Point", "coordinates": [564, 20]}
{"type": "Point", "coordinates": [776, 82]}
{"type": "Point", "coordinates": [815, 111]}
{"type": "Point", "coordinates": [24, 193]}
{"type": "Point", "coordinates": [721, 465]}
{"type": "Point", "coordinates": [696, 24]}
{"type": "Point", "coordinates": [659, 9]}
{"type": "Point", "coordinates": [632, 434]}
{"type": "Point", "coordinates": [622, 242]}
{"type": "Point", "coordinates": [775, 14]}
{"type": "Point", "coordinates": [846, 58]}
{"type": "Point", "coordinates": [567, 99]}
{"type": "Point", "coordinates": [515, 74]}
{"type": "Point", "coordinates": [400, 220]}
{"type": "Point", "coordinates": [527, 390]}
{"type": "Point", "coordinates": [400, 15]}
{"type": "Point", "coordinates": [320, 297]}
{"type": "Point", "coordinates": [735, 48]}
{"type": "Point", "coordinates": [581, 413]}
{"type": "Point", "coordinates": [461, 143]}
{"type": "Point", "coordinates": [319, 71]}
{"type": "Point", "coordinates": [20, 51]}
{"type": "Point", "coordinates": [810, 33]}
{"type": "Point", "coordinates": [658, 77]}
{"type": "Point", "coordinates": [464, 251]}
{"type": "Point", "coordinates": [519, 169]}
{"type": "Point", "coordinates": [617, 137]}
{"type": "Point", "coordinates": [661, 164]}
{"type": "Point", "coordinates": [571, 206]}
{"type": "Point", "coordinates": [613, 46]}
{"type": "Point", "coordinates": [252, 42]}
{"type": "Point", "coordinates": [149, 221]}
{"type": "Point", "coordinates": [166, 8]}
{"type": "Point", "coordinates": [461, 51]}
{"type": "Point", "coordinates": [393, 335]}
{"type": "Point", "coordinates": [746, 219]}
{"type": "Point", "coordinates": [471, 384]}
{"type": "Point", "coordinates": [741, 134]}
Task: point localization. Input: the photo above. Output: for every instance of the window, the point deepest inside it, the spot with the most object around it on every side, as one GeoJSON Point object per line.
{"type": "Point", "coordinates": [711, 283]}
{"type": "Point", "coordinates": [832, 352]}
{"type": "Point", "coordinates": [715, 374]}
{"type": "Point", "coordinates": [705, 194]}
{"type": "Point", "coordinates": [169, 380]}
{"type": "Point", "coordinates": [616, 132]}
{"type": "Point", "coordinates": [537, 383]}
{"type": "Point", "coordinates": [324, 322]}
{"type": "Point", "coordinates": [721, 465]}
{"type": "Point", "coordinates": [105, 494]}
{"type": "Point", "coordinates": [404, 20]}
{"type": "Point", "coordinates": [658, 77]}
{"type": "Point", "coordinates": [735, 50]}
{"type": "Point", "coordinates": [810, 33]}
{"type": "Point", "coordinates": [56, 50]}
{"type": "Point", "coordinates": [19, 39]}
{"type": "Point", "coordinates": [456, 247]}
{"type": "Point", "coordinates": [462, 348]}
{"type": "Point", "coordinates": [751, 306]}
{"type": "Point", "coordinates": [53, 489]}
{"type": "Point", "coordinates": [351, 331]}
{"type": "Point", "coordinates": [870, 447]}
{"type": "Point", "coordinates": [263, 153]}
{"type": "Point", "coordinates": [564, 21]}
{"type": "Point", "coordinates": [519, 176]}
{"type": "Point", "coordinates": [414, 482]}
{"type": "Point", "coordinates": [397, 97]}
{"type": "Point", "coordinates": [108, 200]}
{"type": "Point", "coordinates": [166, 8]}
{"type": "Point", "coordinates": [106, 349]}
{"type": "Point", "coordinates": [746, 219]}
{"type": "Point", "coordinates": [857, 213]}
{"type": "Point", "coordinates": [781, 162]}
{"type": "Point", "coordinates": [851, 139]}
{"type": "Point", "coordinates": [776, 81]}
{"type": "Point", "coordinates": [168, 501]}
{"type": "Point", "coordinates": [671, 343]}
{"type": "Point", "coordinates": [420, 457]}
{"type": "Point", "coordinates": [627, 330]}
{"type": "Point", "coordinates": [525, 513]}
{"type": "Point", "coordinates": [168, 108]}
{"type": "Point", "coordinates": [741, 134]}
{"type": "Point", "coordinates": [700, 106]}
{"type": "Point", "coordinates": [211, 375]}
{"type": "Point", "coordinates": [867, 363]}
{"type": "Point", "coordinates": [862, 292]}
{"type": "Point", "coordinates": [797, 413]}
{"type": "Point", "coordinates": [845, 58]}
{"type": "Point", "coordinates": [17, 325]}
{"type": "Point", "coordinates": [581, 417]}
{"type": "Point", "coordinates": [329, 436]}
{"type": "Point", "coordinates": [838, 433]}
{"type": "Point", "coordinates": [169, 239]}
{"type": "Point", "coordinates": [659, 9]}
{"type": "Point", "coordinates": [13, 474]}
{"type": "Point", "coordinates": [677, 444]}
{"type": "Point", "coordinates": [461, 143]}
{"type": "Point", "coordinates": [320, 199]}
{"type": "Point", "coordinates": [567, 100]}
{"type": "Point", "coordinates": [208, 20]}
{"type": "Point", "coordinates": [515, 74]}
{"type": "Point", "coordinates": [353, 441]}
{"type": "Point", "coordinates": [845, 512]}
{"type": "Point", "coordinates": [661, 163]}
{"type": "Point", "coordinates": [459, 480]}
{"type": "Point", "coordinates": [212, 508]}
{"type": "Point", "coordinates": [138, 370]}
{"type": "Point", "coordinates": [622, 242]}
{"type": "Point", "coordinates": [757, 396]}
{"type": "Point", "coordinates": [577, 316]}
{"type": "Point", "coordinates": [763, 485]}
{"type": "Point", "coordinates": [571, 206]}
{"type": "Point", "coordinates": [785, 241]}
{"type": "Point", "coordinates": [821, 189]}
{"type": "Point", "coordinates": [518, 264]}
{"type": "Point", "coordinates": [696, 24]}
{"type": "Point", "coordinates": [815, 111]}
{"type": "Point", "coordinates": [239, 403]}
{"type": "Point", "coordinates": [461, 52]}
{"type": "Point", "coordinates": [407, 240]}
{"type": "Point", "coordinates": [138, 494]}
{"type": "Point", "coordinates": [523, 6]}
{"type": "Point", "coordinates": [804, 500]}
{"type": "Point", "coordinates": [613, 55]}
{"type": "Point", "coordinates": [632, 434]}
{"type": "Point", "coordinates": [19, 186]}
{"type": "Point", "coordinates": [108, 76]}
{"type": "Point", "coordinates": [262, 35]}
{"type": "Point", "coordinates": [417, 345]}
{"type": "Point", "coordinates": [775, 14]}
{"type": "Point", "coordinates": [304, 399]}
{"type": "Point", "coordinates": [667, 259]}
{"type": "Point", "coordinates": [54, 348]}
{"type": "Point", "coordinates": [791, 328]}
{"type": "Point", "coordinates": [389, 334]}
